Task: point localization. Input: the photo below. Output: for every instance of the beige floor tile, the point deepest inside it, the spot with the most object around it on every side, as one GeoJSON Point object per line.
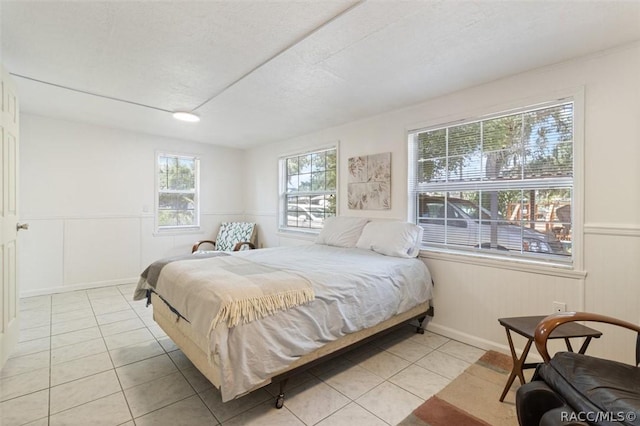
{"type": "Point", "coordinates": [40, 422]}
{"type": "Point", "coordinates": [69, 298]}
{"type": "Point", "coordinates": [420, 381]}
{"type": "Point", "coordinates": [384, 364]}
{"type": "Point", "coordinates": [73, 325]}
{"type": "Point", "coordinates": [35, 302]}
{"type": "Point", "coordinates": [76, 314]}
{"type": "Point", "coordinates": [25, 409]}
{"type": "Point", "coordinates": [68, 307]}
{"type": "Point", "coordinates": [150, 322]}
{"type": "Point", "coordinates": [34, 333]}
{"type": "Point", "coordinates": [79, 368]}
{"type": "Point", "coordinates": [104, 292]}
{"type": "Point", "coordinates": [265, 415]}
{"type": "Point", "coordinates": [81, 391]}
{"type": "Point", "coordinates": [74, 330]}
{"type": "Point", "coordinates": [137, 352]}
{"type": "Point", "coordinates": [191, 411]}
{"type": "Point", "coordinates": [33, 319]}
{"type": "Point", "coordinates": [389, 402]}
{"type": "Point", "coordinates": [314, 400]}
{"type": "Point", "coordinates": [73, 337]}
{"type": "Point", "coordinates": [462, 351]}
{"type": "Point", "coordinates": [443, 364]}
{"type": "Point", "coordinates": [128, 338]}
{"type": "Point", "coordinates": [430, 339]}
{"type": "Point", "coordinates": [77, 350]}
{"type": "Point", "coordinates": [31, 347]}
{"type": "Point", "coordinates": [167, 344]}
{"type": "Point", "coordinates": [104, 308]}
{"type": "Point", "coordinates": [25, 383]}
{"type": "Point", "coordinates": [155, 329]}
{"type": "Point", "coordinates": [180, 359]}
{"type": "Point", "coordinates": [352, 415]}
{"type": "Point", "coordinates": [226, 410]}
{"type": "Point", "coordinates": [110, 317]}
{"type": "Point", "coordinates": [121, 326]}
{"type": "Point", "coordinates": [197, 380]}
{"type": "Point", "coordinates": [156, 394]}
{"type": "Point", "coordinates": [352, 382]}
{"type": "Point", "coordinates": [110, 410]}
{"type": "Point", "coordinates": [127, 289]}
{"type": "Point", "coordinates": [145, 371]}
{"type": "Point", "coordinates": [407, 349]}
{"type": "Point", "coordinates": [25, 364]}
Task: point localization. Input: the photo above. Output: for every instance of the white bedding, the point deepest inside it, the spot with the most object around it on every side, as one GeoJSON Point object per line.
{"type": "Point", "coordinates": [354, 288]}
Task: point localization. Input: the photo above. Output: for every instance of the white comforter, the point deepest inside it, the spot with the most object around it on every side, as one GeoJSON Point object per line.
{"type": "Point", "coordinates": [354, 288]}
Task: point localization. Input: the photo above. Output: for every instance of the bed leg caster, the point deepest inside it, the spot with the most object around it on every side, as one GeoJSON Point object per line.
{"type": "Point", "coordinates": [280, 401]}
{"type": "Point", "coordinates": [280, 397]}
{"type": "Point", "coordinates": [419, 328]}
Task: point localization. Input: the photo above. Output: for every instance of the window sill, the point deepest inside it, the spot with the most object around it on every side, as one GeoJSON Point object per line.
{"type": "Point", "coordinates": [522, 265]}
{"type": "Point", "coordinates": [177, 231]}
{"type": "Point", "coordinates": [298, 234]}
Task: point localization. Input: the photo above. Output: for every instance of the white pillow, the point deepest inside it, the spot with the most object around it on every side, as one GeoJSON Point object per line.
{"type": "Point", "coordinates": [341, 231]}
{"type": "Point", "coordinates": [391, 238]}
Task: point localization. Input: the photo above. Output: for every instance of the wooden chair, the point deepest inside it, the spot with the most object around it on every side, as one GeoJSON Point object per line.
{"type": "Point", "coordinates": [232, 236]}
{"type": "Point", "coordinates": [578, 389]}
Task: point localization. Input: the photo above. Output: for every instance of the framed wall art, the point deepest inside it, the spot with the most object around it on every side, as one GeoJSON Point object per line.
{"type": "Point", "coordinates": [369, 182]}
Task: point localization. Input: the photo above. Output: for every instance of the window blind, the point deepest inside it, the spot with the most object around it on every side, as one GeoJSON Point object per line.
{"type": "Point", "coordinates": [501, 183]}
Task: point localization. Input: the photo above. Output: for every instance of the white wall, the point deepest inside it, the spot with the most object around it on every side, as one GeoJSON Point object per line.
{"type": "Point", "coordinates": [88, 194]}
{"type": "Point", "coordinates": [471, 295]}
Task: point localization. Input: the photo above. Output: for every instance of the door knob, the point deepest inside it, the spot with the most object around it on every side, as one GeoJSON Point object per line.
{"type": "Point", "coordinates": [20, 226]}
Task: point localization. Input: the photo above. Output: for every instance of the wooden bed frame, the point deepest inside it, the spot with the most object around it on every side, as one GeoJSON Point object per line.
{"type": "Point", "coordinates": [196, 347]}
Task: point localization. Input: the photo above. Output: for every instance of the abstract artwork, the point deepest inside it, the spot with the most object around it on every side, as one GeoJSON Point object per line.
{"type": "Point", "coordinates": [369, 183]}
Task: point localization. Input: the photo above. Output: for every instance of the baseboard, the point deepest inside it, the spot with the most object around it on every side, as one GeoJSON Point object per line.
{"type": "Point", "coordinates": [75, 287]}
{"type": "Point", "coordinates": [478, 342]}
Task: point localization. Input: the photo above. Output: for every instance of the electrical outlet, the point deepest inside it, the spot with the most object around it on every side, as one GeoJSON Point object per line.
{"type": "Point", "coordinates": [559, 307]}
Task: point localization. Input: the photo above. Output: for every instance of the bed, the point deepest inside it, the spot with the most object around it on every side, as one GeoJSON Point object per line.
{"type": "Point", "coordinates": [347, 295]}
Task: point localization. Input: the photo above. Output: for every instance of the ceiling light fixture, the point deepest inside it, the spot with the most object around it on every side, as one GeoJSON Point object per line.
{"type": "Point", "coordinates": [186, 116]}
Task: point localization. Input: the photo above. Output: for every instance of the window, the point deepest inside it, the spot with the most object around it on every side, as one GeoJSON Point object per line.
{"type": "Point", "coordinates": [177, 201]}
{"type": "Point", "coordinates": [307, 189]}
{"type": "Point", "coordinates": [501, 185]}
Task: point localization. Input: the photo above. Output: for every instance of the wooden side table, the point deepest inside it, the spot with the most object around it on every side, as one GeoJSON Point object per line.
{"type": "Point", "coordinates": [526, 326]}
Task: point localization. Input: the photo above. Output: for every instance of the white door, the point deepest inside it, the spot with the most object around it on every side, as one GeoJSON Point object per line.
{"type": "Point", "coordinates": [9, 325]}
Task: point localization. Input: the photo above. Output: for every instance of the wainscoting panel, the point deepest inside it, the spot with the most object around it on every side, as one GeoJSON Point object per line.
{"type": "Point", "coordinates": [40, 260]}
{"type": "Point", "coordinates": [101, 250]}
{"type": "Point", "coordinates": [613, 289]}
{"type": "Point", "coordinates": [470, 298]}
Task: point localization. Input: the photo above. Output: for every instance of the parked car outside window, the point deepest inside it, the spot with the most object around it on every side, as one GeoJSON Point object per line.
{"type": "Point", "coordinates": [305, 216]}
{"type": "Point", "coordinates": [466, 224]}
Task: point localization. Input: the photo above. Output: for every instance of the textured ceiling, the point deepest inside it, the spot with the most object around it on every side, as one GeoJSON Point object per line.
{"type": "Point", "coordinates": [267, 71]}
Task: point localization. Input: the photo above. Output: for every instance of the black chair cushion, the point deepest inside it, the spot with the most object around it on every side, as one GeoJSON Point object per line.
{"type": "Point", "coordinates": [593, 385]}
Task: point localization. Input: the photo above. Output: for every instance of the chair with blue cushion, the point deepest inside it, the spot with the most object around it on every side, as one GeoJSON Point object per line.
{"type": "Point", "coordinates": [232, 236]}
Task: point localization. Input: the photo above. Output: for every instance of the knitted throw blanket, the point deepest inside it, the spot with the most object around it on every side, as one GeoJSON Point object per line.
{"type": "Point", "coordinates": [229, 290]}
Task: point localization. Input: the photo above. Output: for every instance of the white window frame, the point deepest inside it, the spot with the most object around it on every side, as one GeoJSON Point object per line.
{"type": "Point", "coordinates": [177, 228]}
{"type": "Point", "coordinates": [491, 259]}
{"type": "Point", "coordinates": [282, 190]}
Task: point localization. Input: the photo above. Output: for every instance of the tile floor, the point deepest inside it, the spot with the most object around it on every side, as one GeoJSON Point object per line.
{"type": "Point", "coordinates": [96, 357]}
